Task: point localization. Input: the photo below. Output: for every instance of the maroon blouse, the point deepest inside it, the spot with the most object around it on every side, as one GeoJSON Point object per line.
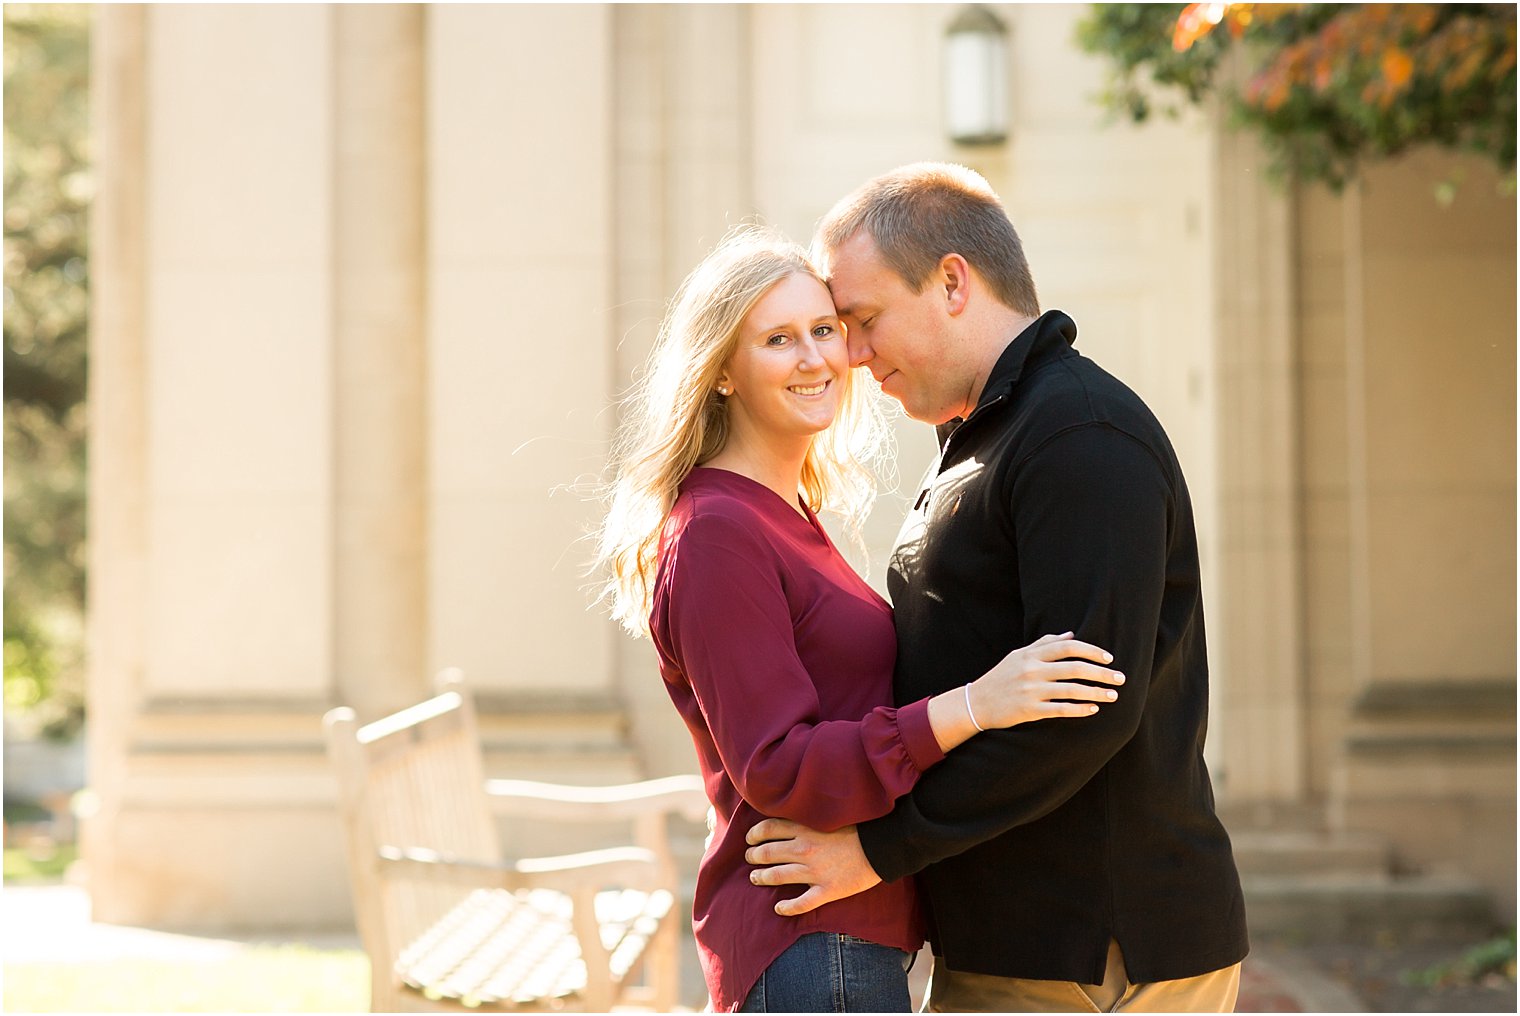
{"type": "Point", "coordinates": [779, 657]}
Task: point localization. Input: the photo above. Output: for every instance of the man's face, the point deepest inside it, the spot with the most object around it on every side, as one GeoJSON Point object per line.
{"type": "Point", "coordinates": [899, 335]}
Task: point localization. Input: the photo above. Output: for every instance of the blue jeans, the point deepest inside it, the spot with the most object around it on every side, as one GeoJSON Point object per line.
{"type": "Point", "coordinates": [828, 972]}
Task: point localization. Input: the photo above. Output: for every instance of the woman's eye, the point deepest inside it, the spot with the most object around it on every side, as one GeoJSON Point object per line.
{"type": "Point", "coordinates": [823, 331]}
{"type": "Point", "coordinates": [779, 339]}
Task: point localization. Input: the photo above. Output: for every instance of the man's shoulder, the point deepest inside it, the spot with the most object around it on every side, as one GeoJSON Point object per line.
{"type": "Point", "coordinates": [1071, 391]}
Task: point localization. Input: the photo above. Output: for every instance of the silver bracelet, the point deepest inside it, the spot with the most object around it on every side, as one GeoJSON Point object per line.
{"type": "Point", "coordinates": [967, 689]}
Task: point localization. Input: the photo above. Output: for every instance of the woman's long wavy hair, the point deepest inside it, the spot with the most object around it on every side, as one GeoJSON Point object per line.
{"type": "Point", "coordinates": [674, 420]}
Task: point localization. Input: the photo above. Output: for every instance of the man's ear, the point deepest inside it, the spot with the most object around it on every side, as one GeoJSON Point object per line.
{"type": "Point", "coordinates": [955, 277]}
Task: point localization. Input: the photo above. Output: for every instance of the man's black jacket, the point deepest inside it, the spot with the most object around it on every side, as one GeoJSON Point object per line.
{"type": "Point", "coordinates": [1058, 505]}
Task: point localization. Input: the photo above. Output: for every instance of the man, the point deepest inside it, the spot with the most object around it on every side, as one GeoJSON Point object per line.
{"type": "Point", "coordinates": [1072, 866]}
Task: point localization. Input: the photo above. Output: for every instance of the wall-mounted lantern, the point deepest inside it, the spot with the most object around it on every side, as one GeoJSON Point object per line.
{"type": "Point", "coordinates": [976, 77]}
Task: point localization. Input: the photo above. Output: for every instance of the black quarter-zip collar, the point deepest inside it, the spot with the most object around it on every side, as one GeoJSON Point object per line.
{"type": "Point", "coordinates": [1053, 330]}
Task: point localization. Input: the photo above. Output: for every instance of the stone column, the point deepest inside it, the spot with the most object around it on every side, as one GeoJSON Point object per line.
{"type": "Point", "coordinates": [708, 165]}
{"type": "Point", "coordinates": [212, 468]}
{"type": "Point", "coordinates": [118, 418]}
{"type": "Point", "coordinates": [1327, 414]}
{"type": "Point", "coordinates": [380, 359]}
{"type": "Point", "coordinates": [519, 316]}
{"type": "Point", "coordinates": [1254, 624]}
{"type": "Point", "coordinates": [521, 350]}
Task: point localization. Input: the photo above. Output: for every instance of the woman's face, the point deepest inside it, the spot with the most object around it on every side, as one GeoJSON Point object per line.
{"type": "Point", "coordinates": [790, 364]}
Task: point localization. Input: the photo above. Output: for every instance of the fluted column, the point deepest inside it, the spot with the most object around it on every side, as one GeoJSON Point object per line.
{"type": "Point", "coordinates": [118, 419]}
{"type": "Point", "coordinates": [1254, 627]}
{"type": "Point", "coordinates": [212, 468]}
{"type": "Point", "coordinates": [380, 358]}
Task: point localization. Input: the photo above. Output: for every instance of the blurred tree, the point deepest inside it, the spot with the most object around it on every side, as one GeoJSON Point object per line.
{"type": "Point", "coordinates": [47, 193]}
{"type": "Point", "coordinates": [1331, 84]}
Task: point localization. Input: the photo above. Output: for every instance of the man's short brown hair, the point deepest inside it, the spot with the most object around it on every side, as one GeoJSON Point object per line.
{"type": "Point", "coordinates": [917, 214]}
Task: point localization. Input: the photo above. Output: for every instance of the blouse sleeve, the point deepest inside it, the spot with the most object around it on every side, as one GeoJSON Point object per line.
{"type": "Point", "coordinates": [722, 614]}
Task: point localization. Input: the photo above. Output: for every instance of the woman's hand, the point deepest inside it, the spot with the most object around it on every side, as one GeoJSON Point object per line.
{"type": "Point", "coordinates": [1036, 682]}
{"type": "Point", "coordinates": [1024, 686]}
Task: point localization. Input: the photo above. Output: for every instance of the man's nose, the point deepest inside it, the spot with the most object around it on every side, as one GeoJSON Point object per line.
{"type": "Point", "coordinates": [859, 349]}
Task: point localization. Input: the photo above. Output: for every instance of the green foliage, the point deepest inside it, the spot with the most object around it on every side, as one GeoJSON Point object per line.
{"type": "Point", "coordinates": [1138, 38]}
{"type": "Point", "coordinates": [21, 811]}
{"type": "Point", "coordinates": [1492, 959]}
{"type": "Point", "coordinates": [47, 193]}
{"type": "Point", "coordinates": [1327, 85]}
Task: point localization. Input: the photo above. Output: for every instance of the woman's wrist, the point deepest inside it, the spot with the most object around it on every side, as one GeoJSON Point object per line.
{"type": "Point", "coordinates": [966, 693]}
{"type": "Point", "coordinates": [950, 718]}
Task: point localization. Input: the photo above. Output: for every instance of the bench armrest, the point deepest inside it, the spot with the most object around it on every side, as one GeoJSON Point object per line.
{"type": "Point", "coordinates": [626, 867]}
{"type": "Point", "coordinates": [682, 795]}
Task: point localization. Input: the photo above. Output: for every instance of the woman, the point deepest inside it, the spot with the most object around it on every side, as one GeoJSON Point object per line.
{"type": "Point", "coordinates": [776, 653]}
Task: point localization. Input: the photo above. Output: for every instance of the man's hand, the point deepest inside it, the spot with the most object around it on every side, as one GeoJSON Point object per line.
{"type": "Point", "coordinates": [831, 864]}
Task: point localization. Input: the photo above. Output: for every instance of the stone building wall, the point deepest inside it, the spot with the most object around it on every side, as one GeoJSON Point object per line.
{"type": "Point", "coordinates": [360, 327]}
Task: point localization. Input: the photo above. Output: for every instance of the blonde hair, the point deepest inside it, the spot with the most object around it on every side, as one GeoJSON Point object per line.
{"type": "Point", "coordinates": [919, 213]}
{"type": "Point", "coordinates": [674, 420]}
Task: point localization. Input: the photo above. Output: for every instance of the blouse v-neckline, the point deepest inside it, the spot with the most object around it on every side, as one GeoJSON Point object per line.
{"type": "Point", "coordinates": [803, 513]}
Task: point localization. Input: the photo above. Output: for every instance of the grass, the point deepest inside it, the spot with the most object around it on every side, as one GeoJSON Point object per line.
{"type": "Point", "coordinates": [34, 864]}
{"type": "Point", "coordinates": [284, 978]}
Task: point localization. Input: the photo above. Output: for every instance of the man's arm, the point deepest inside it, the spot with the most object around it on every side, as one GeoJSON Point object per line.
{"type": "Point", "coordinates": [1091, 512]}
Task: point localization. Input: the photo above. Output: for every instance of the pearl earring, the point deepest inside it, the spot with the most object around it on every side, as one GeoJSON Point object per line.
{"type": "Point", "coordinates": [724, 389]}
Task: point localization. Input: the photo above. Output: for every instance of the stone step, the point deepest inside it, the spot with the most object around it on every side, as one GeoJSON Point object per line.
{"type": "Point", "coordinates": [535, 720]}
{"type": "Point", "coordinates": [1293, 852]}
{"type": "Point", "coordinates": [1335, 907]}
{"type": "Point", "coordinates": [1300, 816]}
{"type": "Point", "coordinates": [585, 766]}
{"type": "Point", "coordinates": [1465, 701]}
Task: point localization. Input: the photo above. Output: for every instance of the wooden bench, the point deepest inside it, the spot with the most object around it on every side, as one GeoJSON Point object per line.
{"type": "Point", "coordinates": [448, 923]}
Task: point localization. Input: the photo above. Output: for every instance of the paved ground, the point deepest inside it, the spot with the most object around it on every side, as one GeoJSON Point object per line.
{"type": "Point", "coordinates": [52, 923]}
{"type": "Point", "coordinates": [1270, 981]}
{"type": "Point", "coordinates": [1389, 975]}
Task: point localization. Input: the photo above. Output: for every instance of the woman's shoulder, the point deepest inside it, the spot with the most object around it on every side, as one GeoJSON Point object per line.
{"type": "Point", "coordinates": [704, 513]}
{"type": "Point", "coordinates": [720, 519]}
{"type": "Point", "coordinates": [713, 537]}
{"type": "Point", "coordinates": [709, 493]}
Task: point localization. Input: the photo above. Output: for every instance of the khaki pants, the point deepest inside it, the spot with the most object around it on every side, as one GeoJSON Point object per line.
{"type": "Point", "coordinates": [954, 991]}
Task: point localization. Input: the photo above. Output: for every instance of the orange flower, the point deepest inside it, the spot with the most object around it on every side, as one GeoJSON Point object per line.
{"type": "Point", "coordinates": [1189, 29]}
{"type": "Point", "coordinates": [1322, 73]}
{"type": "Point", "coordinates": [1397, 67]}
{"type": "Point", "coordinates": [1196, 21]}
